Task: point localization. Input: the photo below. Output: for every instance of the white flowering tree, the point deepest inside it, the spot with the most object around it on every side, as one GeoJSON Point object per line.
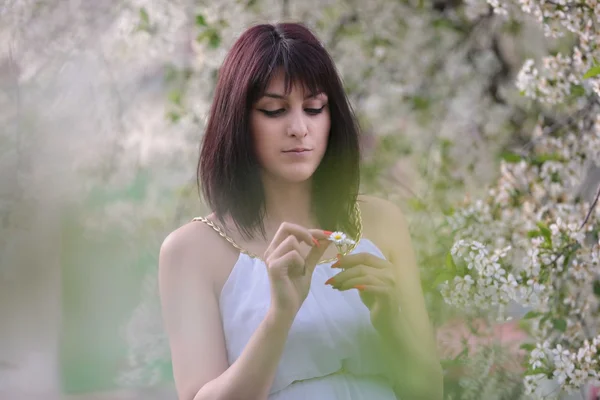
{"type": "Point", "coordinates": [533, 240]}
{"type": "Point", "coordinates": [106, 103]}
{"type": "Point", "coordinates": [434, 121]}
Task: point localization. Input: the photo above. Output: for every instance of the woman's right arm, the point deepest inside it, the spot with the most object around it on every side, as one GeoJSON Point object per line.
{"type": "Point", "coordinates": [193, 324]}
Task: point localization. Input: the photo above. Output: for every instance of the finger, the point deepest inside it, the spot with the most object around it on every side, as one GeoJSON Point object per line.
{"type": "Point", "coordinates": [314, 255]}
{"type": "Point", "coordinates": [286, 229]}
{"type": "Point", "coordinates": [374, 289]}
{"type": "Point", "coordinates": [362, 280]}
{"type": "Point", "coordinates": [291, 263]}
{"type": "Point", "coordinates": [288, 244]}
{"type": "Point", "coordinates": [318, 234]}
{"type": "Point", "coordinates": [384, 275]}
{"type": "Point", "coordinates": [369, 259]}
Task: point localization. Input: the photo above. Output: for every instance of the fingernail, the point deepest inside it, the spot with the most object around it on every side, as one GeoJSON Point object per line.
{"type": "Point", "coordinates": [360, 287]}
{"type": "Point", "coordinates": [330, 281]}
{"type": "Point", "coordinates": [336, 265]}
{"type": "Point", "coordinates": [316, 242]}
{"type": "Point", "coordinates": [327, 232]}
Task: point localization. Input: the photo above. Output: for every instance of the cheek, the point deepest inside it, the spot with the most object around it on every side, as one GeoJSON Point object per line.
{"type": "Point", "coordinates": [257, 140]}
{"type": "Point", "coordinates": [324, 130]}
{"type": "Point", "coordinates": [262, 138]}
{"type": "Point", "coordinates": [259, 146]}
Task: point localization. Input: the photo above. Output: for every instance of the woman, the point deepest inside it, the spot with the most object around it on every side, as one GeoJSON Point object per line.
{"type": "Point", "coordinates": [279, 165]}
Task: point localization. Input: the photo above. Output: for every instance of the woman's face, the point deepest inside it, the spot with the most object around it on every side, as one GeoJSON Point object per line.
{"type": "Point", "coordinates": [290, 132]}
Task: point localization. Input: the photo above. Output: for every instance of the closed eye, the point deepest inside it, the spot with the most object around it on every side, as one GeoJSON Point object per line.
{"type": "Point", "coordinates": [274, 113]}
{"type": "Point", "coordinates": [314, 111]}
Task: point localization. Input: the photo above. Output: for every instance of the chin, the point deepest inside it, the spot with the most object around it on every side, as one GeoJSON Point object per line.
{"type": "Point", "coordinates": [295, 175]}
{"type": "Point", "coordinates": [296, 178]}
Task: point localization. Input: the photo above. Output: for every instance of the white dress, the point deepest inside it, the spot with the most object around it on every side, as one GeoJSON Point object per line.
{"type": "Point", "coordinates": [332, 351]}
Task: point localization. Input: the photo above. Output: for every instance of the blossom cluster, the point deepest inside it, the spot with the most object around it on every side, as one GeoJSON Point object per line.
{"type": "Point", "coordinates": [533, 241]}
{"type": "Point", "coordinates": [570, 368]}
{"type": "Point", "coordinates": [561, 74]}
{"type": "Point", "coordinates": [541, 213]}
{"type": "Point", "coordinates": [480, 277]}
{"type": "Point", "coordinates": [560, 293]}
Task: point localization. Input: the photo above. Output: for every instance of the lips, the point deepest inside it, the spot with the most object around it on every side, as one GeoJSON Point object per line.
{"type": "Point", "coordinates": [297, 150]}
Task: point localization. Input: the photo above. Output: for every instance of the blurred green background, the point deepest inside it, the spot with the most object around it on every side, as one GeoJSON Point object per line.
{"type": "Point", "coordinates": [102, 108]}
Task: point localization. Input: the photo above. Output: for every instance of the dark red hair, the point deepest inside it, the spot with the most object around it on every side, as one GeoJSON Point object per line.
{"type": "Point", "coordinates": [228, 170]}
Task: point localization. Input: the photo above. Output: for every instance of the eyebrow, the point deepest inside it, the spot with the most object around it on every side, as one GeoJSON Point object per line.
{"type": "Point", "coordinates": [281, 97]}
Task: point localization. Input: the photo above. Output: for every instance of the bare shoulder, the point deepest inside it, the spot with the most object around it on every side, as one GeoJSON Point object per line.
{"type": "Point", "coordinates": [194, 250]}
{"type": "Point", "coordinates": [379, 211]}
{"type": "Point", "coordinates": [384, 224]}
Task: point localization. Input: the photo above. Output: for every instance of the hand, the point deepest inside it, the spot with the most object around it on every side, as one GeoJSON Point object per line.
{"type": "Point", "coordinates": [375, 278]}
{"type": "Point", "coordinates": [290, 272]}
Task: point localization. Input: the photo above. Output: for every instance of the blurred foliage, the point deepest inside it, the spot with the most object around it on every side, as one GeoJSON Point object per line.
{"type": "Point", "coordinates": [431, 85]}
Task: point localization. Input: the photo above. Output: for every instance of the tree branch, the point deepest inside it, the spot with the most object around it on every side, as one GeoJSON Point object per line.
{"type": "Point", "coordinates": [591, 208]}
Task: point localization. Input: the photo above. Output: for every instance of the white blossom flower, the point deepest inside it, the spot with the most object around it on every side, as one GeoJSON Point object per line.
{"type": "Point", "coordinates": [339, 238]}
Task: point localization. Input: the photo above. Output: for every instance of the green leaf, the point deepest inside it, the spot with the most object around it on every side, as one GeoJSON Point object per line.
{"type": "Point", "coordinates": [173, 116]}
{"type": "Point", "coordinates": [542, 158]}
{"type": "Point", "coordinates": [443, 23]}
{"type": "Point", "coordinates": [542, 225]}
{"type": "Point", "coordinates": [546, 233]}
{"type": "Point", "coordinates": [175, 97]}
{"type": "Point", "coordinates": [577, 90]}
{"type": "Point", "coordinates": [524, 325]}
{"type": "Point", "coordinates": [450, 265]}
{"type": "Point", "coordinates": [452, 363]}
{"type": "Point", "coordinates": [464, 353]}
{"type": "Point", "coordinates": [215, 40]}
{"type": "Point", "coordinates": [514, 27]}
{"type": "Point", "coordinates": [592, 72]}
{"type": "Point", "coordinates": [448, 211]}
{"type": "Point", "coordinates": [597, 288]}
{"type": "Point", "coordinates": [211, 36]}
{"type": "Point", "coordinates": [559, 324]}
{"type": "Point", "coordinates": [420, 103]}
{"type": "Point", "coordinates": [535, 371]}
{"type": "Point", "coordinates": [534, 234]}
{"type": "Point", "coordinates": [200, 20]}
{"type": "Point", "coordinates": [527, 346]}
{"type": "Point", "coordinates": [532, 314]}
{"type": "Point", "coordinates": [144, 16]}
{"type": "Point", "coordinates": [510, 157]}
{"type": "Point", "coordinates": [416, 204]}
{"type": "Point", "coordinates": [442, 278]}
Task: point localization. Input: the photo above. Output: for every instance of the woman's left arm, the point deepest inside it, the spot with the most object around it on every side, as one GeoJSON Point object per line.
{"type": "Point", "coordinates": [391, 290]}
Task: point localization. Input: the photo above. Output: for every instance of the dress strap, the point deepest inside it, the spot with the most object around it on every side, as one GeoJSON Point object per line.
{"type": "Point", "coordinates": [219, 230]}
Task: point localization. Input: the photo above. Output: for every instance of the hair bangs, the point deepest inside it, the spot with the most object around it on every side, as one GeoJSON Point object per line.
{"type": "Point", "coordinates": [301, 64]}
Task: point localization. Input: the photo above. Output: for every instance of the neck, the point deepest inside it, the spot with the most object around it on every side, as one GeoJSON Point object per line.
{"type": "Point", "coordinates": [288, 202]}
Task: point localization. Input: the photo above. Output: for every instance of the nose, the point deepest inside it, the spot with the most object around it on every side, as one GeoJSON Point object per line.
{"type": "Point", "coordinates": [297, 126]}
